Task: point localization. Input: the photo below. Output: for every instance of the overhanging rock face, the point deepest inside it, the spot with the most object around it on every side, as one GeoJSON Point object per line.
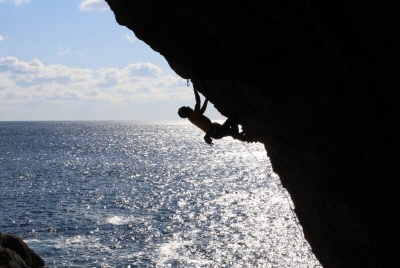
{"type": "Point", "coordinates": [318, 85]}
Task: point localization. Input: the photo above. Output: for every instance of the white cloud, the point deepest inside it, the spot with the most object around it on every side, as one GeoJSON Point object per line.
{"type": "Point", "coordinates": [1, 38]}
{"type": "Point", "coordinates": [130, 38]}
{"type": "Point", "coordinates": [62, 51]}
{"type": "Point", "coordinates": [139, 70]}
{"type": "Point", "coordinates": [17, 2]}
{"type": "Point", "coordinates": [93, 5]}
{"type": "Point", "coordinates": [34, 91]}
{"type": "Point", "coordinates": [27, 82]}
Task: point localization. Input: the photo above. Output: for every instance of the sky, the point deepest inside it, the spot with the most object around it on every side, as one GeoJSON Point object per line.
{"type": "Point", "coordinates": [71, 60]}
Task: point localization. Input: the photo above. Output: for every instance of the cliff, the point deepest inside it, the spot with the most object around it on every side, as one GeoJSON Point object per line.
{"type": "Point", "coordinates": [318, 85]}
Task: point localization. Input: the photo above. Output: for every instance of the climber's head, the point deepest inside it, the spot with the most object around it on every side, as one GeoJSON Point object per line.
{"type": "Point", "coordinates": [185, 111]}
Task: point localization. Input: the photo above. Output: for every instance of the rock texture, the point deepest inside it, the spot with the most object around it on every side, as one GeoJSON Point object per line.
{"type": "Point", "coordinates": [317, 82]}
{"type": "Point", "coordinates": [14, 252]}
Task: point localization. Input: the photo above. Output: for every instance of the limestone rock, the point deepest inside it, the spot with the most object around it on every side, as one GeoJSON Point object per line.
{"type": "Point", "coordinates": [318, 84]}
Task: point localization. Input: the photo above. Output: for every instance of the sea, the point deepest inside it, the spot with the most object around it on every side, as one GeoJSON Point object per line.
{"type": "Point", "coordinates": [144, 194]}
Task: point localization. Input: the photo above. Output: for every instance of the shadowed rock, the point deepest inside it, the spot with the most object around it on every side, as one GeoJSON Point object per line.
{"type": "Point", "coordinates": [318, 84]}
{"type": "Point", "coordinates": [10, 259]}
{"type": "Point", "coordinates": [14, 252]}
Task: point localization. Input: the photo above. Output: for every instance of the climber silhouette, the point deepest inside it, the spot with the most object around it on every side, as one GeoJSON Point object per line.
{"type": "Point", "coordinates": [212, 130]}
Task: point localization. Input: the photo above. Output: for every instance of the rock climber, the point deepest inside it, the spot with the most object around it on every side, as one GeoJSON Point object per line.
{"type": "Point", "coordinates": [212, 130]}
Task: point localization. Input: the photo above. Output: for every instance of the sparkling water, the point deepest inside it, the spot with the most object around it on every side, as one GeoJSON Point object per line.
{"type": "Point", "coordinates": [127, 194]}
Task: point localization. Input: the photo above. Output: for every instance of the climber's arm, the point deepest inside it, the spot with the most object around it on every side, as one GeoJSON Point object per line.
{"type": "Point", "coordinates": [203, 109]}
{"type": "Point", "coordinates": [197, 96]}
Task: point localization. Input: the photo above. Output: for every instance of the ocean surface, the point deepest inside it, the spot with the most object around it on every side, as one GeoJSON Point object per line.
{"type": "Point", "coordinates": [137, 194]}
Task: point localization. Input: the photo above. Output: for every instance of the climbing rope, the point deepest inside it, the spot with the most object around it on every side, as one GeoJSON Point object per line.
{"type": "Point", "coordinates": [283, 193]}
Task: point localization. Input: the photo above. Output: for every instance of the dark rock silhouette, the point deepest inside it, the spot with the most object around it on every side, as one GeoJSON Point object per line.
{"type": "Point", "coordinates": [14, 252]}
{"type": "Point", "coordinates": [318, 84]}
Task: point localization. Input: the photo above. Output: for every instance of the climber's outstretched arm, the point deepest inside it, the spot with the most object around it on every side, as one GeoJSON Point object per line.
{"type": "Point", "coordinates": [197, 96]}
{"type": "Point", "coordinates": [203, 109]}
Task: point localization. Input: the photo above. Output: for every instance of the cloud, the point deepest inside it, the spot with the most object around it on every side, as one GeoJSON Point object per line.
{"type": "Point", "coordinates": [1, 38]}
{"type": "Point", "coordinates": [17, 2]}
{"type": "Point", "coordinates": [139, 70]}
{"type": "Point", "coordinates": [130, 38]}
{"type": "Point", "coordinates": [28, 82]}
{"type": "Point", "coordinates": [34, 91]}
{"type": "Point", "coordinates": [62, 52]}
{"type": "Point", "coordinates": [94, 5]}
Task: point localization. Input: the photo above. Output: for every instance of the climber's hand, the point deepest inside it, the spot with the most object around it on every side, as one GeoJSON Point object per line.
{"type": "Point", "coordinates": [208, 140]}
